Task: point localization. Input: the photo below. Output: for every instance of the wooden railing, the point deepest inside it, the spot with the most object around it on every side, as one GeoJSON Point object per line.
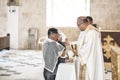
{"type": "Point", "coordinates": [5, 42]}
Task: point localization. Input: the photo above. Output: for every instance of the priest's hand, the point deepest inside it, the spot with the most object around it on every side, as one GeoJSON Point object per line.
{"type": "Point", "coordinates": [74, 49]}
{"type": "Point", "coordinates": [75, 52]}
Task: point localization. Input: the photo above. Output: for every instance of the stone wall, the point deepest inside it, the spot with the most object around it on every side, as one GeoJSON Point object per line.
{"type": "Point", "coordinates": [32, 15]}
{"type": "Point", "coordinates": [71, 32]}
{"type": "Point", "coordinates": [106, 13]}
{"type": "Point", "coordinates": [3, 17]}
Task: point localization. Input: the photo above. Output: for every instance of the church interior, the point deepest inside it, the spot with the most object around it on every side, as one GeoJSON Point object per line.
{"type": "Point", "coordinates": [24, 25]}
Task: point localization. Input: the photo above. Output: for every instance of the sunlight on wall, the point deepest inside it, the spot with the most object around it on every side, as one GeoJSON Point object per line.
{"type": "Point", "coordinates": [65, 12]}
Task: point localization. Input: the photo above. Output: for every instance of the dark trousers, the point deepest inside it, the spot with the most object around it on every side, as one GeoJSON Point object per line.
{"type": "Point", "coordinates": [51, 76]}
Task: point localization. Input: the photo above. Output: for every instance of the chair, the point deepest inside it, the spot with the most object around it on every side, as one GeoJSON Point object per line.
{"type": "Point", "coordinates": [32, 38]}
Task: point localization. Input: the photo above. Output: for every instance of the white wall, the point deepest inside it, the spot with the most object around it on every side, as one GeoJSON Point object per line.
{"type": "Point", "coordinates": [12, 25]}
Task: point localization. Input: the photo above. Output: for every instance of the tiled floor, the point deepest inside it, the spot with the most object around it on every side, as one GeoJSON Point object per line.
{"type": "Point", "coordinates": [21, 65]}
{"type": "Point", "coordinates": [25, 65]}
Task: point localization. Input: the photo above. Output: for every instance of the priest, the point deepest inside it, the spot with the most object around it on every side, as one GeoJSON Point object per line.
{"type": "Point", "coordinates": [89, 50]}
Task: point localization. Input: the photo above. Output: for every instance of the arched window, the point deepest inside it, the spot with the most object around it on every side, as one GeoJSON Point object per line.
{"type": "Point", "coordinates": [61, 13]}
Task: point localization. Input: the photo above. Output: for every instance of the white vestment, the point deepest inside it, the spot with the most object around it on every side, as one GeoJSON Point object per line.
{"type": "Point", "coordinates": [90, 53]}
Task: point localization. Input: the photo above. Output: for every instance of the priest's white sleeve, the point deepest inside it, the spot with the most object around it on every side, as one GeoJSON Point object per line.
{"type": "Point", "coordinates": [85, 50]}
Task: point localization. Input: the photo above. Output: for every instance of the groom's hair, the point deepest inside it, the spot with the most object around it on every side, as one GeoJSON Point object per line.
{"type": "Point", "coordinates": [52, 30]}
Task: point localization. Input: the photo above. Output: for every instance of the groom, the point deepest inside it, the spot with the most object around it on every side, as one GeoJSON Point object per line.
{"type": "Point", "coordinates": [51, 51]}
